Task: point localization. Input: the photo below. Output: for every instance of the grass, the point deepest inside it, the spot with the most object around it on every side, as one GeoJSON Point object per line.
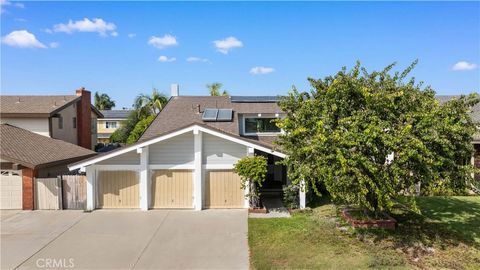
{"type": "Point", "coordinates": [444, 236]}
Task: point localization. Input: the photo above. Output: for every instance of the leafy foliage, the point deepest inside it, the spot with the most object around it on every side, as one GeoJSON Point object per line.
{"type": "Point", "coordinates": [121, 134]}
{"type": "Point", "coordinates": [215, 88]}
{"type": "Point", "coordinates": [140, 127]}
{"type": "Point", "coordinates": [344, 130]}
{"type": "Point", "coordinates": [147, 105]}
{"type": "Point", "coordinates": [253, 172]}
{"type": "Point", "coordinates": [103, 101]}
{"type": "Point", "coordinates": [290, 196]}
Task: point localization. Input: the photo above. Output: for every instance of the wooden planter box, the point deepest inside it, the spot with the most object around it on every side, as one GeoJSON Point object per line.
{"type": "Point", "coordinates": [257, 210]}
{"type": "Point", "coordinates": [388, 222]}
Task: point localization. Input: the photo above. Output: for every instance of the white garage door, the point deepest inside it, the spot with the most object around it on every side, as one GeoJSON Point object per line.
{"type": "Point", "coordinates": [11, 189]}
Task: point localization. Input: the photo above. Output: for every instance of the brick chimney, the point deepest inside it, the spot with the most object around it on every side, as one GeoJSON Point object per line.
{"type": "Point", "coordinates": [84, 118]}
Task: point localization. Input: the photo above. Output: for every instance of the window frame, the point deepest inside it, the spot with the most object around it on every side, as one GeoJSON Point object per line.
{"type": "Point", "coordinates": [60, 122]}
{"type": "Point", "coordinates": [262, 116]}
{"type": "Point", "coordinates": [107, 126]}
{"type": "Point", "coordinates": [74, 122]}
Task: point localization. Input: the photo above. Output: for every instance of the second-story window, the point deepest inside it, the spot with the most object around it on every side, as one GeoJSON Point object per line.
{"type": "Point", "coordinates": [256, 125]}
{"type": "Point", "coordinates": [60, 122]}
{"type": "Point", "coordinates": [110, 124]}
{"type": "Point", "coordinates": [74, 122]}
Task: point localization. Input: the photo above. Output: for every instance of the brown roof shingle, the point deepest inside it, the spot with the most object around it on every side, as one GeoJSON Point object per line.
{"type": "Point", "coordinates": [183, 110]}
{"type": "Point", "coordinates": [42, 105]}
{"type": "Point", "coordinates": [33, 150]}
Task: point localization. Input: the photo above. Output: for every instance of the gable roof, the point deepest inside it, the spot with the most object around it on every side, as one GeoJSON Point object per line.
{"type": "Point", "coordinates": [116, 114]}
{"type": "Point", "coordinates": [36, 151]}
{"type": "Point", "coordinates": [190, 128]}
{"type": "Point", "coordinates": [37, 106]}
{"type": "Point", "coordinates": [181, 111]}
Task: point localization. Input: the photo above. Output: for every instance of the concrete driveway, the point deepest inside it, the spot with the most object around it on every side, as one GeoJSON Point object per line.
{"type": "Point", "coordinates": [121, 239]}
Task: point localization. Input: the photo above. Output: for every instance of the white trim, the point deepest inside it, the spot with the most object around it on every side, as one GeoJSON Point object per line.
{"type": "Point", "coordinates": [218, 166]}
{"type": "Point", "coordinates": [144, 180]}
{"type": "Point", "coordinates": [118, 167]}
{"type": "Point", "coordinates": [189, 166]}
{"type": "Point", "coordinates": [171, 135]}
{"type": "Point", "coordinates": [130, 148]}
{"type": "Point", "coordinates": [302, 195]}
{"type": "Point", "coordinates": [197, 172]}
{"type": "Point", "coordinates": [240, 141]}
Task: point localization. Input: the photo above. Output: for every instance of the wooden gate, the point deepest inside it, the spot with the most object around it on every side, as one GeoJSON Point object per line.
{"type": "Point", "coordinates": [74, 191]}
{"type": "Point", "coordinates": [48, 194]}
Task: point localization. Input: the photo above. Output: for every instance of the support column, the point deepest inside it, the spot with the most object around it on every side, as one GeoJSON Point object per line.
{"type": "Point", "coordinates": [197, 172]}
{"type": "Point", "coordinates": [28, 190]}
{"type": "Point", "coordinates": [91, 181]}
{"type": "Point", "coordinates": [250, 152]}
{"type": "Point", "coordinates": [144, 178]}
{"type": "Point", "coordinates": [302, 195]}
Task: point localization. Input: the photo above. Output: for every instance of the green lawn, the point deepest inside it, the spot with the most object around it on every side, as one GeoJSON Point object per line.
{"type": "Point", "coordinates": [446, 236]}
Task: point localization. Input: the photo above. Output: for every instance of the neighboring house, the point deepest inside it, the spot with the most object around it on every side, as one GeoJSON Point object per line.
{"type": "Point", "coordinates": [69, 118]}
{"type": "Point", "coordinates": [185, 158]}
{"type": "Point", "coordinates": [111, 121]}
{"type": "Point", "coordinates": [25, 155]}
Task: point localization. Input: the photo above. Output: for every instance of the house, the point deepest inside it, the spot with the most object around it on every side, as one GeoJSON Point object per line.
{"type": "Point", "coordinates": [25, 155]}
{"type": "Point", "coordinates": [68, 118]}
{"type": "Point", "coordinates": [111, 121]}
{"type": "Point", "coordinates": [185, 158]}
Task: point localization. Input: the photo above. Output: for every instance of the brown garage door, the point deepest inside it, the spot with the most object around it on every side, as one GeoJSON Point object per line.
{"type": "Point", "coordinates": [222, 190]}
{"type": "Point", "coordinates": [118, 189]}
{"type": "Point", "coordinates": [172, 189]}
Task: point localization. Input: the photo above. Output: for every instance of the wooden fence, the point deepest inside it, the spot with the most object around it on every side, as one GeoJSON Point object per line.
{"type": "Point", "coordinates": [63, 192]}
{"type": "Point", "coordinates": [74, 191]}
{"type": "Point", "coordinates": [48, 194]}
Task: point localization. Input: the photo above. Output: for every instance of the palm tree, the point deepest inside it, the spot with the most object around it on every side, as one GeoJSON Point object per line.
{"type": "Point", "coordinates": [103, 101]}
{"type": "Point", "coordinates": [214, 89]}
{"type": "Point", "coordinates": [150, 104]}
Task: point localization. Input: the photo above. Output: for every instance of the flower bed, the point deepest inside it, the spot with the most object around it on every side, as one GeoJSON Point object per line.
{"type": "Point", "coordinates": [364, 221]}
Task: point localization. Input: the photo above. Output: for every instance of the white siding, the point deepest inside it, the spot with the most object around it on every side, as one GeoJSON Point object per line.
{"type": "Point", "coordinates": [220, 151]}
{"type": "Point", "coordinates": [35, 125]}
{"type": "Point", "coordinates": [177, 150]}
{"type": "Point", "coordinates": [129, 158]}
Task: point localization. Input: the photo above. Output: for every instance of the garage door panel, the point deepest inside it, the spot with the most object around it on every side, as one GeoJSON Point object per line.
{"type": "Point", "coordinates": [172, 189]}
{"type": "Point", "coordinates": [223, 190]}
{"type": "Point", "coordinates": [11, 190]}
{"type": "Point", "coordinates": [118, 189]}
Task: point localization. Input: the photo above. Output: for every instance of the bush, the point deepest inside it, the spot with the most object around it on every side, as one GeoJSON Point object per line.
{"type": "Point", "coordinates": [291, 198]}
{"type": "Point", "coordinates": [140, 127]}
{"type": "Point", "coordinates": [253, 171]}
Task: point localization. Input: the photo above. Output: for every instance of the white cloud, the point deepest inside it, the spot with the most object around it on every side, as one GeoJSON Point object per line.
{"type": "Point", "coordinates": [261, 70]}
{"type": "Point", "coordinates": [22, 39]}
{"type": "Point", "coordinates": [164, 59]}
{"type": "Point", "coordinates": [464, 65]}
{"type": "Point", "coordinates": [225, 45]}
{"type": "Point", "coordinates": [4, 3]}
{"type": "Point", "coordinates": [49, 31]}
{"type": "Point", "coordinates": [96, 25]}
{"type": "Point", "coordinates": [196, 59]}
{"type": "Point", "coordinates": [162, 42]}
{"type": "Point", "coordinates": [114, 34]}
{"type": "Point", "coordinates": [132, 35]}
{"type": "Point", "coordinates": [54, 44]}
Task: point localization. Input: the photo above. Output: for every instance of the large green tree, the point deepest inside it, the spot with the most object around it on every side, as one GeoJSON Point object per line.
{"type": "Point", "coordinates": [215, 89]}
{"type": "Point", "coordinates": [103, 101]}
{"type": "Point", "coordinates": [370, 136]}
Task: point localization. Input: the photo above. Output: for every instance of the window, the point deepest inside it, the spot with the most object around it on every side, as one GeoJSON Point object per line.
{"type": "Point", "coordinates": [260, 125]}
{"type": "Point", "coordinates": [110, 124]}
{"type": "Point", "coordinates": [60, 122]}
{"type": "Point", "coordinates": [74, 122]}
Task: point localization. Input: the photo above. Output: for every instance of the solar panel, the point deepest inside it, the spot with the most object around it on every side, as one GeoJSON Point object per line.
{"type": "Point", "coordinates": [210, 115]}
{"type": "Point", "coordinates": [224, 115]}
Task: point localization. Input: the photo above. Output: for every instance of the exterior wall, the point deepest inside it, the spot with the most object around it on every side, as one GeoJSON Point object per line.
{"type": "Point", "coordinates": [35, 125]}
{"type": "Point", "coordinates": [221, 151]}
{"type": "Point", "coordinates": [101, 128]}
{"type": "Point", "coordinates": [178, 151]}
{"type": "Point", "coordinates": [129, 158]}
{"type": "Point", "coordinates": [68, 133]}
{"type": "Point", "coordinates": [27, 188]}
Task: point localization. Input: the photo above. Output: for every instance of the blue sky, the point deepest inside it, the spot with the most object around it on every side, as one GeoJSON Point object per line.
{"type": "Point", "coordinates": [263, 48]}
